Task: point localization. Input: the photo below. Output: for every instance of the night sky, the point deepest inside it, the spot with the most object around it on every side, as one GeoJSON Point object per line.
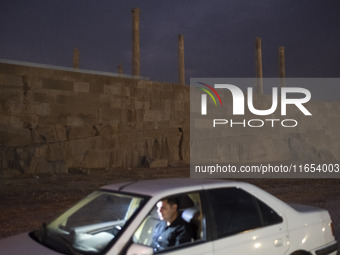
{"type": "Point", "coordinates": [219, 35]}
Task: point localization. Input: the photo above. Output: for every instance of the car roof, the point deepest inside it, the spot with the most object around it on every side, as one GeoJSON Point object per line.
{"type": "Point", "coordinates": [152, 187]}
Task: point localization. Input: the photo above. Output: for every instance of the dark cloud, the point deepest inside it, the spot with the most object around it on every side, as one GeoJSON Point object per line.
{"type": "Point", "coordinates": [219, 35]}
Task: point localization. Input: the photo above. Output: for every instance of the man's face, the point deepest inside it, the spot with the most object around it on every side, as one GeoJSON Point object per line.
{"type": "Point", "coordinates": [166, 211]}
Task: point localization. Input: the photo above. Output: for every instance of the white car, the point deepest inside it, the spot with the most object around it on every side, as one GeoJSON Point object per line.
{"type": "Point", "coordinates": [228, 218]}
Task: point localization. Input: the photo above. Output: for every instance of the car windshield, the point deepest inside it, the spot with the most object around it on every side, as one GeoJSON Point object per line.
{"type": "Point", "coordinates": [90, 225]}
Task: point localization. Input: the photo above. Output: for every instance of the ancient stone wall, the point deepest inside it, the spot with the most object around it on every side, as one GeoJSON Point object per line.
{"type": "Point", "coordinates": [271, 138]}
{"type": "Point", "coordinates": [54, 120]}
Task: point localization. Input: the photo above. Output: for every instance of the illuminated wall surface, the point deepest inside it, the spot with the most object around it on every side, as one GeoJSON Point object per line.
{"type": "Point", "coordinates": [288, 131]}
{"type": "Point", "coordinates": [55, 119]}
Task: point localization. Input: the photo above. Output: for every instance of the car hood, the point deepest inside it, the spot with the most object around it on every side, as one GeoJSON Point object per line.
{"type": "Point", "coordinates": [23, 244]}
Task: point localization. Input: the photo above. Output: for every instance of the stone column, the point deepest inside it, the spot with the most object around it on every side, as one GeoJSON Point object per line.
{"type": "Point", "coordinates": [76, 58]}
{"type": "Point", "coordinates": [135, 42]}
{"type": "Point", "coordinates": [181, 67]}
{"type": "Point", "coordinates": [282, 67]}
{"type": "Point", "coordinates": [259, 75]}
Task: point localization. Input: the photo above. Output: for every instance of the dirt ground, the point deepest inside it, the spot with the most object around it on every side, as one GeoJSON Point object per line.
{"type": "Point", "coordinates": [27, 201]}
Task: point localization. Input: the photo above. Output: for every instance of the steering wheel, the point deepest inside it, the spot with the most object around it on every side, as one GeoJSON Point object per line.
{"type": "Point", "coordinates": [116, 230]}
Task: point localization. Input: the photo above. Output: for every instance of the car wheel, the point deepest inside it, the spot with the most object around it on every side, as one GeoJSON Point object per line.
{"type": "Point", "coordinates": [300, 253]}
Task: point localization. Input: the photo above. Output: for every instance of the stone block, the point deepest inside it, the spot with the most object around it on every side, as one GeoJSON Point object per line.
{"type": "Point", "coordinates": [15, 109]}
{"type": "Point", "coordinates": [66, 99]}
{"type": "Point", "coordinates": [97, 159]}
{"type": "Point", "coordinates": [13, 122]}
{"type": "Point", "coordinates": [57, 84]}
{"type": "Point", "coordinates": [43, 97]}
{"type": "Point", "coordinates": [11, 95]}
{"type": "Point", "coordinates": [149, 127]}
{"type": "Point", "coordinates": [44, 134]}
{"type": "Point", "coordinates": [113, 89]}
{"type": "Point", "coordinates": [141, 103]}
{"type": "Point", "coordinates": [111, 114]}
{"type": "Point", "coordinates": [78, 132]}
{"type": "Point", "coordinates": [74, 121]}
{"type": "Point", "coordinates": [60, 133]}
{"type": "Point", "coordinates": [41, 109]}
{"type": "Point", "coordinates": [179, 106]}
{"type": "Point", "coordinates": [96, 88]}
{"type": "Point", "coordinates": [9, 172]}
{"type": "Point", "coordinates": [41, 165]}
{"type": "Point", "coordinates": [11, 80]}
{"type": "Point", "coordinates": [2, 79]}
{"type": "Point", "coordinates": [81, 86]}
{"type": "Point", "coordinates": [11, 137]}
{"type": "Point", "coordinates": [104, 100]}
{"type": "Point", "coordinates": [126, 91]}
{"type": "Point", "coordinates": [7, 157]}
{"type": "Point", "coordinates": [152, 115]}
{"type": "Point", "coordinates": [156, 104]}
{"type": "Point", "coordinates": [46, 158]}
{"type": "Point", "coordinates": [34, 83]}
{"type": "Point", "coordinates": [156, 163]}
{"type": "Point", "coordinates": [92, 152]}
{"type": "Point", "coordinates": [118, 102]}
{"type": "Point", "coordinates": [164, 124]}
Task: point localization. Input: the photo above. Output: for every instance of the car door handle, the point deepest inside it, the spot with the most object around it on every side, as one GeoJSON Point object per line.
{"type": "Point", "coordinates": [278, 242]}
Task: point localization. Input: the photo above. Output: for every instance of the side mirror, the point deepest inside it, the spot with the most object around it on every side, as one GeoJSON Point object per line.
{"type": "Point", "coordinates": [138, 249]}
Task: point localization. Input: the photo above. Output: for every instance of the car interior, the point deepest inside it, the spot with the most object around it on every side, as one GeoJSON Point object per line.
{"type": "Point", "coordinates": [189, 208]}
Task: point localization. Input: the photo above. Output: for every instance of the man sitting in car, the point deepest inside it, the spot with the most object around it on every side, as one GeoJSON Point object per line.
{"type": "Point", "coordinates": [172, 230]}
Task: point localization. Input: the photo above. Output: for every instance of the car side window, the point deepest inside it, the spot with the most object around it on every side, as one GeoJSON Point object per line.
{"type": "Point", "coordinates": [156, 226]}
{"type": "Point", "coordinates": [269, 216]}
{"type": "Point", "coordinates": [236, 211]}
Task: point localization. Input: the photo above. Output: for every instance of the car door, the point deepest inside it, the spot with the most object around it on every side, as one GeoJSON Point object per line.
{"type": "Point", "coordinates": [242, 224]}
{"type": "Point", "coordinates": [190, 210]}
